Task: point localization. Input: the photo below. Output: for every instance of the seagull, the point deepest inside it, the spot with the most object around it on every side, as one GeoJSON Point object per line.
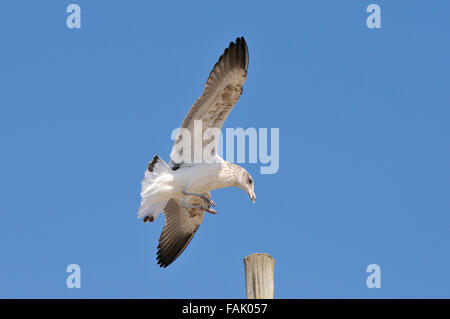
{"type": "Point", "coordinates": [181, 188]}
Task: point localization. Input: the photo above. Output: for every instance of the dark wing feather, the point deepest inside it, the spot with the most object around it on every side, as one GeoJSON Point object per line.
{"type": "Point", "coordinates": [222, 90]}
{"type": "Point", "coordinates": [179, 229]}
{"type": "Point", "coordinates": [227, 74]}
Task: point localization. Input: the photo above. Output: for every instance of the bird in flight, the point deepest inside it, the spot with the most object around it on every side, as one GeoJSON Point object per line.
{"type": "Point", "coordinates": [181, 188]}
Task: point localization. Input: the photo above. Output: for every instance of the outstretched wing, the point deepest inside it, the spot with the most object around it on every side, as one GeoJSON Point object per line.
{"type": "Point", "coordinates": [179, 229]}
{"type": "Point", "coordinates": [222, 90]}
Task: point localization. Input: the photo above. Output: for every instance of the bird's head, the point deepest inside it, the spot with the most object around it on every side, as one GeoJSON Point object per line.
{"type": "Point", "coordinates": [246, 183]}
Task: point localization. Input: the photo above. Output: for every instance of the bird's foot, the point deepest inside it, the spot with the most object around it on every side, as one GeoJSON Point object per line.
{"type": "Point", "coordinates": [210, 210]}
{"type": "Point", "coordinates": [205, 208]}
{"type": "Point", "coordinates": [208, 200]}
{"type": "Point", "coordinates": [203, 196]}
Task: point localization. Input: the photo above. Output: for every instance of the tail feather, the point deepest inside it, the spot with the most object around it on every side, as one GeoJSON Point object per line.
{"type": "Point", "coordinates": [157, 165]}
{"type": "Point", "coordinates": [151, 204]}
{"type": "Point", "coordinates": [151, 212]}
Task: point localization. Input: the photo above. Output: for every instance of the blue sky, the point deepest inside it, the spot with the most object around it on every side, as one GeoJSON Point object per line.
{"type": "Point", "coordinates": [364, 146]}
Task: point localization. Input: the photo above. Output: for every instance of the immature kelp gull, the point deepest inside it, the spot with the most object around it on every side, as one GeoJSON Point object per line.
{"type": "Point", "coordinates": [181, 188]}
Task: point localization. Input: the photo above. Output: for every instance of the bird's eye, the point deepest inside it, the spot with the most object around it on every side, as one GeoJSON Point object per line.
{"type": "Point", "coordinates": [250, 181]}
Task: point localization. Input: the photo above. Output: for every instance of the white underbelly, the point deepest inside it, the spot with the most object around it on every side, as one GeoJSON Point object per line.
{"type": "Point", "coordinates": [197, 179]}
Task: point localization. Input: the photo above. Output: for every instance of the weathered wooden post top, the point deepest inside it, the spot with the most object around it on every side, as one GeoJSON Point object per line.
{"type": "Point", "coordinates": [259, 276]}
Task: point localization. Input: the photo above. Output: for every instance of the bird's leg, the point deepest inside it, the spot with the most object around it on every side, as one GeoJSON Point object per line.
{"type": "Point", "coordinates": [208, 198]}
{"type": "Point", "coordinates": [203, 196]}
{"type": "Point", "coordinates": [205, 208]}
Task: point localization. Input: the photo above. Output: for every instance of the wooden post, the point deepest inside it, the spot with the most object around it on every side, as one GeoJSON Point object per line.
{"type": "Point", "coordinates": [259, 276]}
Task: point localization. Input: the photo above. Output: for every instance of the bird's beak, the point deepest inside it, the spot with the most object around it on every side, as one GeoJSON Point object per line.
{"type": "Point", "coordinates": [252, 196]}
